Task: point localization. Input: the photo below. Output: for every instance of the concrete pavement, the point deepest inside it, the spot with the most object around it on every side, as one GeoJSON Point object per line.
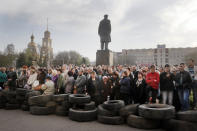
{"type": "Point", "coordinates": [17, 120]}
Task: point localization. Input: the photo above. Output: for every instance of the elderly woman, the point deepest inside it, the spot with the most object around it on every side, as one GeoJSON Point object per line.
{"type": "Point", "coordinates": [107, 90]}
{"type": "Point", "coordinates": [69, 83]}
{"type": "Point", "coordinates": [55, 78]}
{"type": "Point", "coordinates": [32, 79]}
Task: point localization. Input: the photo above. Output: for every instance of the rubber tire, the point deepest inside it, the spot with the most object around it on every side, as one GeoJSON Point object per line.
{"type": "Point", "coordinates": [79, 98]}
{"type": "Point", "coordinates": [156, 111]}
{"type": "Point", "coordinates": [142, 123]}
{"type": "Point", "coordinates": [105, 112]}
{"type": "Point", "coordinates": [61, 111]}
{"type": "Point", "coordinates": [190, 116]}
{"type": "Point", "coordinates": [12, 106]}
{"type": "Point", "coordinates": [37, 110]}
{"type": "Point", "coordinates": [82, 116]}
{"type": "Point", "coordinates": [66, 105]}
{"type": "Point", "coordinates": [128, 110]}
{"type": "Point", "coordinates": [115, 120]}
{"type": "Point", "coordinates": [113, 105]}
{"type": "Point", "coordinates": [21, 91]}
{"type": "Point", "coordinates": [11, 94]}
{"type": "Point", "coordinates": [40, 100]}
{"type": "Point", "coordinates": [33, 93]}
{"type": "Point", "coordinates": [20, 98]}
{"type": "Point", "coordinates": [60, 97]}
{"type": "Point", "coordinates": [13, 101]}
{"type": "Point", "coordinates": [178, 125]}
{"type": "Point", "coordinates": [89, 106]}
{"type": "Point", "coordinates": [25, 107]}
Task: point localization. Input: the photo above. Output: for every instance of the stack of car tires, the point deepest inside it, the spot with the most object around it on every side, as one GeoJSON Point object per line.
{"type": "Point", "coordinates": [20, 96]}
{"type": "Point", "coordinates": [3, 99]}
{"type": "Point", "coordinates": [184, 121]}
{"type": "Point", "coordinates": [83, 109]}
{"type": "Point", "coordinates": [42, 105]}
{"type": "Point", "coordinates": [151, 116]}
{"type": "Point", "coordinates": [12, 102]}
{"type": "Point", "coordinates": [63, 104]}
{"type": "Point", "coordinates": [29, 93]}
{"type": "Point", "coordinates": [108, 112]}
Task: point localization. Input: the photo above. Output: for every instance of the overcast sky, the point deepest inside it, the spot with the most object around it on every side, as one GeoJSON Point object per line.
{"type": "Point", "coordinates": [74, 23]}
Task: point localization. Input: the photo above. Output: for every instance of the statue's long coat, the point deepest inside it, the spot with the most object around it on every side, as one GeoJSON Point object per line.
{"type": "Point", "coordinates": [104, 30]}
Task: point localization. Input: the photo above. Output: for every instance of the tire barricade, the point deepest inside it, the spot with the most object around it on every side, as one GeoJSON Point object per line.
{"type": "Point", "coordinates": [79, 107]}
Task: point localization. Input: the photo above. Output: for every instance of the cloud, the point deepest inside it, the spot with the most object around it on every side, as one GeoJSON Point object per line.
{"type": "Point", "coordinates": [74, 23]}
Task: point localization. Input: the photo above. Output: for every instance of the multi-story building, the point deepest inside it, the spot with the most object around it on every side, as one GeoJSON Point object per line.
{"type": "Point", "coordinates": [159, 56]}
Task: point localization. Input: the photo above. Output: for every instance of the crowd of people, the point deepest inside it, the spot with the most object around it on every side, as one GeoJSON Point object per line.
{"type": "Point", "coordinates": [174, 85]}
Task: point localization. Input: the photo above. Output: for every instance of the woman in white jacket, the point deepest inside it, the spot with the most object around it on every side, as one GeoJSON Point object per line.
{"type": "Point", "coordinates": [32, 79]}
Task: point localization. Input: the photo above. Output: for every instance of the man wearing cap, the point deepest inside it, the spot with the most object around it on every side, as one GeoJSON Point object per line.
{"type": "Point", "coordinates": [166, 85]}
{"type": "Point", "coordinates": [152, 79]}
{"type": "Point", "coordinates": [104, 32]}
{"type": "Point", "coordinates": [183, 83]}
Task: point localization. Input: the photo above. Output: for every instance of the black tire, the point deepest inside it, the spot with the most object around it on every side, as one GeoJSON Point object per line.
{"type": "Point", "coordinates": [142, 123]}
{"type": "Point", "coordinates": [11, 94]}
{"type": "Point", "coordinates": [89, 106]}
{"type": "Point", "coordinates": [60, 98]}
{"type": "Point", "coordinates": [113, 105]}
{"type": "Point", "coordinates": [85, 106]}
{"type": "Point", "coordinates": [33, 93]}
{"type": "Point", "coordinates": [12, 106]}
{"type": "Point", "coordinates": [79, 98]}
{"type": "Point", "coordinates": [178, 125]}
{"type": "Point", "coordinates": [13, 101]}
{"type": "Point", "coordinates": [190, 116]}
{"type": "Point", "coordinates": [157, 111]}
{"type": "Point", "coordinates": [105, 112]}
{"type": "Point", "coordinates": [40, 100]}
{"type": "Point", "coordinates": [21, 91]}
{"type": "Point", "coordinates": [37, 110]}
{"type": "Point", "coordinates": [66, 105]}
{"type": "Point", "coordinates": [25, 107]}
{"type": "Point", "coordinates": [115, 120]}
{"type": "Point", "coordinates": [82, 116]}
{"type": "Point", "coordinates": [128, 110]}
{"type": "Point", "coordinates": [52, 105]}
{"type": "Point", "coordinates": [61, 111]}
{"type": "Point", "coordinates": [20, 98]}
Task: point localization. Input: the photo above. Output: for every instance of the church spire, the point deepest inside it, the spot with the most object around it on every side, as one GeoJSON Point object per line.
{"type": "Point", "coordinates": [32, 38]}
{"type": "Point", "coordinates": [47, 24]}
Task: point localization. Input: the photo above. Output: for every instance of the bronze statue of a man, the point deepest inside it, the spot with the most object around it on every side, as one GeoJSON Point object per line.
{"type": "Point", "coordinates": [104, 32]}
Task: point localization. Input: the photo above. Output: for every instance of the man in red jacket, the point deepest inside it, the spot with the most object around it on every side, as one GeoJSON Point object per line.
{"type": "Point", "coordinates": [152, 79]}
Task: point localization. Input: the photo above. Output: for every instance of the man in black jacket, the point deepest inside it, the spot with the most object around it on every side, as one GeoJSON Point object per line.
{"type": "Point", "coordinates": [183, 83]}
{"type": "Point", "coordinates": [94, 89]}
{"type": "Point", "coordinates": [166, 85]}
{"type": "Point", "coordinates": [12, 76]}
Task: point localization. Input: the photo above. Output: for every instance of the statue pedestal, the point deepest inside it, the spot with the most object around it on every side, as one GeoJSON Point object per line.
{"type": "Point", "coordinates": [104, 57]}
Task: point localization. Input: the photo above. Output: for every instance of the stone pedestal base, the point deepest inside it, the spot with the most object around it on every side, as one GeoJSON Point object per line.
{"type": "Point", "coordinates": [104, 57]}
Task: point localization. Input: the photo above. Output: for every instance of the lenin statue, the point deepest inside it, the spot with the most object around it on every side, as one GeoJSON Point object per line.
{"type": "Point", "coordinates": [104, 32]}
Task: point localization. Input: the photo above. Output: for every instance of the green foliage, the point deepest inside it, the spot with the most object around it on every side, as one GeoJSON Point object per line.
{"type": "Point", "coordinates": [7, 60]}
{"type": "Point", "coordinates": [70, 57]}
{"type": "Point", "coordinates": [25, 58]}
